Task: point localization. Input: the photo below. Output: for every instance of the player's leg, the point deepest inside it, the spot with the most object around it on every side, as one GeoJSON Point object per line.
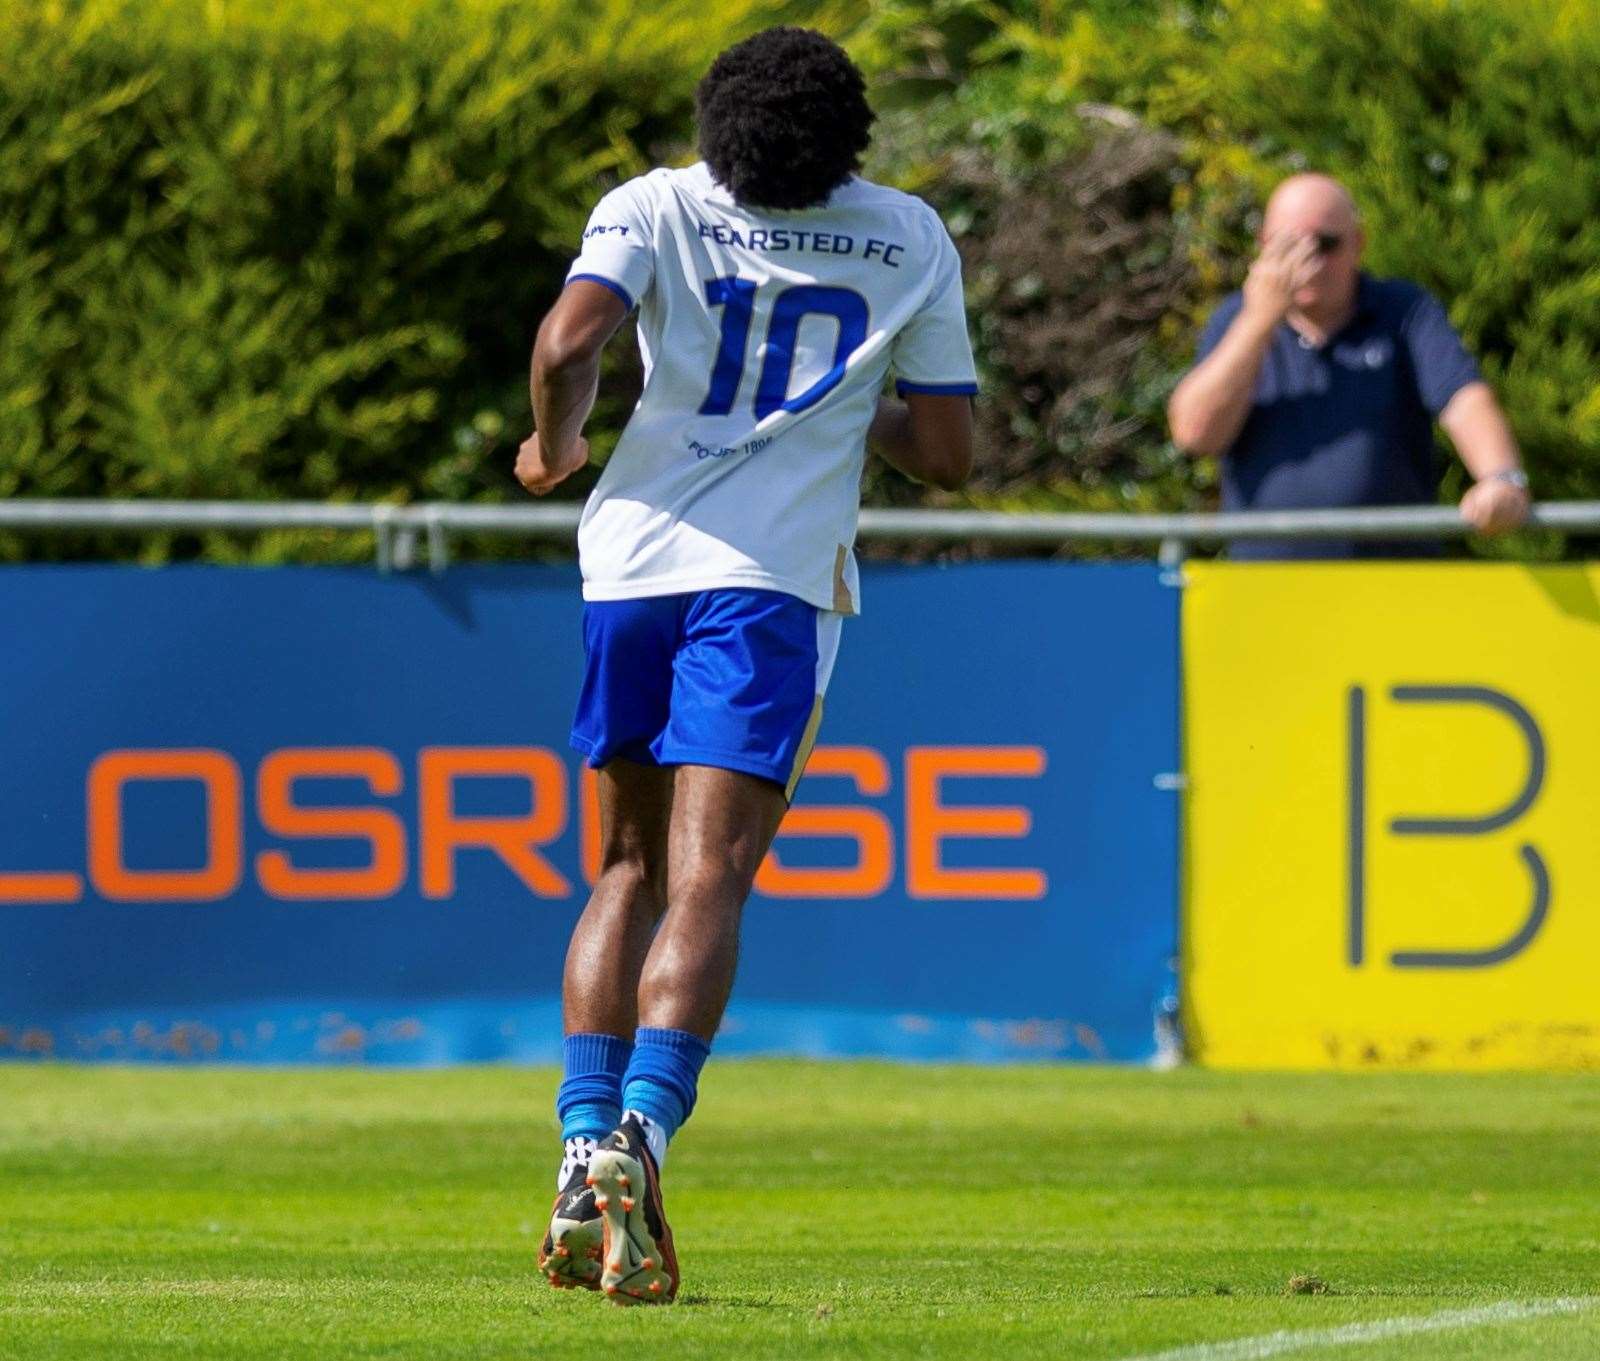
{"type": "Point", "coordinates": [723, 821]}
{"type": "Point", "coordinates": [628, 650]}
{"type": "Point", "coordinates": [599, 992]}
{"type": "Point", "coordinates": [599, 987]}
{"type": "Point", "coordinates": [745, 710]}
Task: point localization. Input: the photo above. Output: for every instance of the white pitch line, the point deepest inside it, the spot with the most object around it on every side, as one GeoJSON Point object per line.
{"type": "Point", "coordinates": [1280, 1344]}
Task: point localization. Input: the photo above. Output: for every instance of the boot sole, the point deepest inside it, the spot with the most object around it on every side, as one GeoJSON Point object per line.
{"type": "Point", "coordinates": [636, 1268]}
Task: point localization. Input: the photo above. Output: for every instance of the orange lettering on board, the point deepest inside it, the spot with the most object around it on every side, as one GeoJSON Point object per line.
{"type": "Point", "coordinates": [40, 886]}
{"type": "Point", "coordinates": [515, 838]}
{"type": "Point", "coordinates": [929, 823]}
{"type": "Point", "coordinates": [381, 829]}
{"type": "Point", "coordinates": [108, 870]}
{"type": "Point", "coordinates": [873, 868]}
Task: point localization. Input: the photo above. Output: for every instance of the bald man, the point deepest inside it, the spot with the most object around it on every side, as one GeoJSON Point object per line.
{"type": "Point", "coordinates": [1317, 385]}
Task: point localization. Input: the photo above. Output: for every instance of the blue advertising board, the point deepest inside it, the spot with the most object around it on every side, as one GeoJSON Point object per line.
{"type": "Point", "coordinates": [299, 814]}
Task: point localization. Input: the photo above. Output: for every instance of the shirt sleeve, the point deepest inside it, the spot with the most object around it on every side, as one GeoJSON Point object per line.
{"type": "Point", "coordinates": [933, 353]}
{"type": "Point", "coordinates": [1215, 328]}
{"type": "Point", "coordinates": [619, 244]}
{"type": "Point", "coordinates": [1439, 359]}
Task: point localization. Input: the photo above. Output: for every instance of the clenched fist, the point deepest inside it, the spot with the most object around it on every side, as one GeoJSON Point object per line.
{"type": "Point", "coordinates": [1494, 506]}
{"type": "Point", "coordinates": [537, 474]}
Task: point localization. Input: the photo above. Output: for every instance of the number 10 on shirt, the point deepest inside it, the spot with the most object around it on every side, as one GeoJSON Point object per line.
{"type": "Point", "coordinates": [737, 299]}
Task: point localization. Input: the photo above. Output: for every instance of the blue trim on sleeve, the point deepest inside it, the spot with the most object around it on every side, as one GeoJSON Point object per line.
{"type": "Point", "coordinates": [902, 387]}
{"type": "Point", "coordinates": [604, 282]}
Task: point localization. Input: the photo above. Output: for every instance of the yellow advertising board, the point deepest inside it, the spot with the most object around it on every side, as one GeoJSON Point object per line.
{"type": "Point", "coordinates": [1392, 852]}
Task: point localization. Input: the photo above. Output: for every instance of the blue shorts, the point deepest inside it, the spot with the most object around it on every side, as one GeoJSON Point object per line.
{"type": "Point", "coordinates": [729, 678]}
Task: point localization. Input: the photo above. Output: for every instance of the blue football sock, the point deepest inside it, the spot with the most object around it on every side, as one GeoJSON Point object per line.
{"type": "Point", "coordinates": [589, 1100]}
{"type": "Point", "coordinates": [663, 1077]}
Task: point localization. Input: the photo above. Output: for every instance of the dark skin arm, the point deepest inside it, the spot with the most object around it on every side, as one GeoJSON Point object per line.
{"type": "Point", "coordinates": [563, 382]}
{"type": "Point", "coordinates": [926, 436]}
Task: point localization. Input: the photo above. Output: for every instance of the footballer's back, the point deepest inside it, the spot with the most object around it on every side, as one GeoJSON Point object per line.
{"type": "Point", "coordinates": [766, 338]}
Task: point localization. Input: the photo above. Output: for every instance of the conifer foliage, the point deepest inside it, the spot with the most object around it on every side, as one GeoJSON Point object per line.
{"type": "Point", "coordinates": [298, 248]}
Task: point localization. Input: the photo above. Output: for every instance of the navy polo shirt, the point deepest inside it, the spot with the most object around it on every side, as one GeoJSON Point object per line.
{"type": "Point", "coordinates": [1347, 423]}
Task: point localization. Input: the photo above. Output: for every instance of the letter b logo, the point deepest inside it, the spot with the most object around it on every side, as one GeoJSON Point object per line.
{"type": "Point", "coordinates": [1437, 825]}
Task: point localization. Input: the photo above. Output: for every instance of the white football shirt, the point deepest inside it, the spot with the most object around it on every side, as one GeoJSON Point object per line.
{"type": "Point", "coordinates": [766, 339]}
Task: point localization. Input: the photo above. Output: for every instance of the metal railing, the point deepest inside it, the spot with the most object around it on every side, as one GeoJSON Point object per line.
{"type": "Point", "coordinates": [400, 531]}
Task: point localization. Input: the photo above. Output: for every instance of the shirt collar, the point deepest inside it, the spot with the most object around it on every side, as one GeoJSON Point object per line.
{"type": "Point", "coordinates": [1365, 308]}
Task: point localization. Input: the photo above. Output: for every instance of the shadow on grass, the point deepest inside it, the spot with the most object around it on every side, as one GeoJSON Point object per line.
{"type": "Point", "coordinates": [726, 1301]}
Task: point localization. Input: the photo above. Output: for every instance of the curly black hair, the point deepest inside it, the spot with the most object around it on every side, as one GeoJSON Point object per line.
{"type": "Point", "coordinates": [783, 118]}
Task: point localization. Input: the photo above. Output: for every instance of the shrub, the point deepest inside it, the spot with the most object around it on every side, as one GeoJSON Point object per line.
{"type": "Point", "coordinates": [1465, 130]}
{"type": "Point", "coordinates": [261, 249]}
{"type": "Point", "coordinates": [298, 249]}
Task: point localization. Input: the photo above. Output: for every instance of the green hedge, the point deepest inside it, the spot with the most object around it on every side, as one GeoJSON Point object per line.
{"type": "Point", "coordinates": [1466, 129]}
{"type": "Point", "coordinates": [283, 250]}
{"type": "Point", "coordinates": [299, 249]}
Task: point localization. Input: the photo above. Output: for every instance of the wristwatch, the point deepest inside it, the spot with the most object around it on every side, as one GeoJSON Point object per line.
{"type": "Point", "coordinates": [1513, 476]}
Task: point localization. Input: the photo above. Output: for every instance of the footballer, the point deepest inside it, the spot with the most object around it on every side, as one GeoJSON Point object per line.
{"type": "Point", "coordinates": [776, 292]}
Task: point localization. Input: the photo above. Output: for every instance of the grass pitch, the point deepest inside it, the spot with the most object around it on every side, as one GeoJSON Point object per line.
{"type": "Point", "coordinates": [821, 1210]}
